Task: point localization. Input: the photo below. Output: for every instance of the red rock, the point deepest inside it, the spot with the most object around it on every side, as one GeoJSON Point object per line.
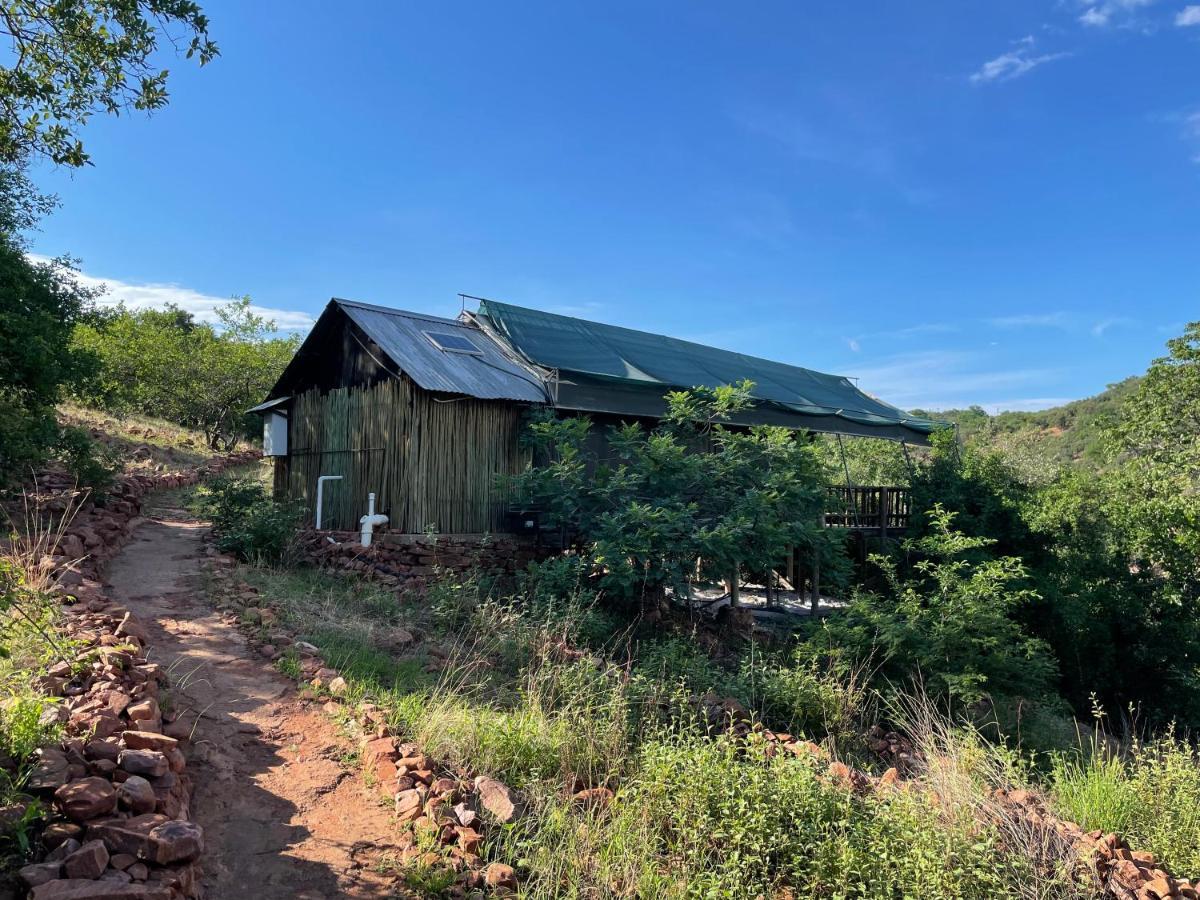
{"type": "Point", "coordinates": [176, 760]}
{"type": "Point", "coordinates": [176, 842]}
{"type": "Point", "coordinates": [57, 833]}
{"type": "Point", "coordinates": [77, 889]}
{"type": "Point", "coordinates": [39, 873]}
{"type": "Point", "coordinates": [497, 798]}
{"type": "Point", "coordinates": [89, 861]}
{"type": "Point", "coordinates": [50, 772]}
{"type": "Point", "coordinates": [500, 875]}
{"type": "Point", "coordinates": [380, 748]}
{"type": "Point", "coordinates": [408, 805]}
{"type": "Point", "coordinates": [145, 710]}
{"type": "Point", "coordinates": [148, 740]}
{"type": "Point", "coordinates": [88, 798]}
{"type": "Point", "coordinates": [126, 835]}
{"type": "Point", "coordinates": [62, 851]}
{"type": "Point", "coordinates": [592, 798]}
{"type": "Point", "coordinates": [122, 861]}
{"type": "Point", "coordinates": [469, 839]}
{"type": "Point", "coordinates": [137, 795]}
{"type": "Point", "coordinates": [148, 763]}
{"type": "Point", "coordinates": [109, 749]}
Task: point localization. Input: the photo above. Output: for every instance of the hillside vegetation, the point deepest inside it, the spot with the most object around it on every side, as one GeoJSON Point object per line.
{"type": "Point", "coordinates": [1061, 435]}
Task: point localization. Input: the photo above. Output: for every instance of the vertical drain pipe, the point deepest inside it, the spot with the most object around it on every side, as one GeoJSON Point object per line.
{"type": "Point", "coordinates": [370, 520]}
{"type": "Point", "coordinates": [321, 495]}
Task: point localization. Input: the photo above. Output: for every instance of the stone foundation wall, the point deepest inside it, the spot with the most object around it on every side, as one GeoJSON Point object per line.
{"type": "Point", "coordinates": [409, 561]}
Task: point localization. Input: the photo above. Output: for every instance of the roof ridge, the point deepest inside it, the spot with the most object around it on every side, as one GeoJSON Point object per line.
{"type": "Point", "coordinates": [391, 310]}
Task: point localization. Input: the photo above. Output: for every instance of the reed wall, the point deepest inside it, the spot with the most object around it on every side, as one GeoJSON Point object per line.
{"type": "Point", "coordinates": [432, 462]}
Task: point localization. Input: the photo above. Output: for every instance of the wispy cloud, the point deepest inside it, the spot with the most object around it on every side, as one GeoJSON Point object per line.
{"type": "Point", "coordinates": [1188, 123]}
{"type": "Point", "coordinates": [924, 329]}
{"type": "Point", "coordinates": [844, 135]}
{"type": "Point", "coordinates": [1188, 16]}
{"type": "Point", "coordinates": [1030, 320]}
{"type": "Point", "coordinates": [1099, 328]}
{"type": "Point", "coordinates": [156, 295]}
{"type": "Point", "coordinates": [1111, 12]}
{"type": "Point", "coordinates": [922, 380]}
{"type": "Point", "coordinates": [1021, 60]}
{"type": "Point", "coordinates": [1027, 404]}
{"type": "Point", "coordinates": [865, 152]}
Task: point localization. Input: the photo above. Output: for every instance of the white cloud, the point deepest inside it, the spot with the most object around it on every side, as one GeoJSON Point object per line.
{"type": "Point", "coordinates": [1030, 320]}
{"type": "Point", "coordinates": [1109, 12]}
{"type": "Point", "coordinates": [1016, 62]}
{"type": "Point", "coordinates": [1188, 123]}
{"type": "Point", "coordinates": [853, 344]}
{"type": "Point", "coordinates": [1027, 404]}
{"type": "Point", "coordinates": [920, 380]}
{"type": "Point", "coordinates": [1189, 15]}
{"type": "Point", "coordinates": [154, 295]}
{"type": "Point", "coordinates": [1105, 324]}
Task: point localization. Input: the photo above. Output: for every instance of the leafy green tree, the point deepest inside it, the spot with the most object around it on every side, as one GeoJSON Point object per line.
{"type": "Point", "coordinates": [689, 498]}
{"type": "Point", "coordinates": [68, 59]}
{"type": "Point", "coordinates": [1156, 481]}
{"type": "Point", "coordinates": [952, 621]}
{"type": "Point", "coordinates": [164, 363]}
{"type": "Point", "coordinates": [39, 303]}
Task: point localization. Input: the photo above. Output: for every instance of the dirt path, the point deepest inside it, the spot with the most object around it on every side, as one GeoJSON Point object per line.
{"type": "Point", "coordinates": [282, 816]}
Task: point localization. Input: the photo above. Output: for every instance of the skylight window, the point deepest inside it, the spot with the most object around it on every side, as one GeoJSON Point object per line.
{"type": "Point", "coordinates": [453, 343]}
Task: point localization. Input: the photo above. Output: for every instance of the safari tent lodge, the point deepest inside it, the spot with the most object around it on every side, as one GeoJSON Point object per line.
{"type": "Point", "coordinates": [424, 412]}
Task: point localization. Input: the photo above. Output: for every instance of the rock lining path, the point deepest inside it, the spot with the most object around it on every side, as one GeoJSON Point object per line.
{"type": "Point", "coordinates": [283, 817]}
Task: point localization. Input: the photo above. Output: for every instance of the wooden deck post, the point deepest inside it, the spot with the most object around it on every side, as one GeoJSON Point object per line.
{"type": "Point", "coordinates": [885, 504]}
{"type": "Point", "coordinates": [735, 589]}
{"type": "Point", "coordinates": [815, 601]}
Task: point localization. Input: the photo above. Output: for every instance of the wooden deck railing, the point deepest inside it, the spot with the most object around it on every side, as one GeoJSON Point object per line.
{"type": "Point", "coordinates": [880, 510]}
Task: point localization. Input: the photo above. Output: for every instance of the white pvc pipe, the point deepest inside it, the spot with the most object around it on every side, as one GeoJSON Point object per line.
{"type": "Point", "coordinates": [370, 520]}
{"type": "Point", "coordinates": [320, 495]}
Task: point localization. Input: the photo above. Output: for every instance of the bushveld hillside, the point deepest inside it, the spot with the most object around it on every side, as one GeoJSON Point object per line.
{"type": "Point", "coordinates": [1067, 434]}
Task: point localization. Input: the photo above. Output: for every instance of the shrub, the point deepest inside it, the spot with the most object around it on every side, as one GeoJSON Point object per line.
{"type": "Point", "coordinates": [804, 696]}
{"type": "Point", "coordinates": [93, 465]}
{"type": "Point", "coordinates": [248, 522]}
{"type": "Point", "coordinates": [953, 623]}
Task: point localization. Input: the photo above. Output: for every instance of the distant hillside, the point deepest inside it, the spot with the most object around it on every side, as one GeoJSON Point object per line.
{"type": "Point", "coordinates": [1061, 434]}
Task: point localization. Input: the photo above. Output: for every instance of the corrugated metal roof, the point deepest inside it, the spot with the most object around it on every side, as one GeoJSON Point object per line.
{"type": "Point", "coordinates": [489, 375]}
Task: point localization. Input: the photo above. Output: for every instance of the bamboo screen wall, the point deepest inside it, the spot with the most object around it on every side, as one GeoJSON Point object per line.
{"type": "Point", "coordinates": [431, 464]}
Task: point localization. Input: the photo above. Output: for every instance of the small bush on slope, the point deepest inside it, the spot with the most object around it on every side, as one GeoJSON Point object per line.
{"type": "Point", "coordinates": [952, 622]}
{"type": "Point", "coordinates": [248, 522]}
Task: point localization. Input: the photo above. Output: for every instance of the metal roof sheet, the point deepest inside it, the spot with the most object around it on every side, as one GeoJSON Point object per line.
{"type": "Point", "coordinates": [492, 374]}
{"type": "Point", "coordinates": [623, 356]}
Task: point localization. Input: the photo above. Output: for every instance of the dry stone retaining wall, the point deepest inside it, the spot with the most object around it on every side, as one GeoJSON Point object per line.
{"type": "Point", "coordinates": [117, 786]}
{"type": "Point", "coordinates": [408, 561]}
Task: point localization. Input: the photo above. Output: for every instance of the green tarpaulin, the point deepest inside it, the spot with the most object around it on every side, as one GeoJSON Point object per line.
{"type": "Point", "coordinates": [607, 369]}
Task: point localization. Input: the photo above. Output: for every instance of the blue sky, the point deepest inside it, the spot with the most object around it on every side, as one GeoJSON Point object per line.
{"type": "Point", "coordinates": [958, 202]}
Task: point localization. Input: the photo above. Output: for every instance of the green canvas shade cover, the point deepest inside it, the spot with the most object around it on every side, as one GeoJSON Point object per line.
{"type": "Point", "coordinates": [607, 369]}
